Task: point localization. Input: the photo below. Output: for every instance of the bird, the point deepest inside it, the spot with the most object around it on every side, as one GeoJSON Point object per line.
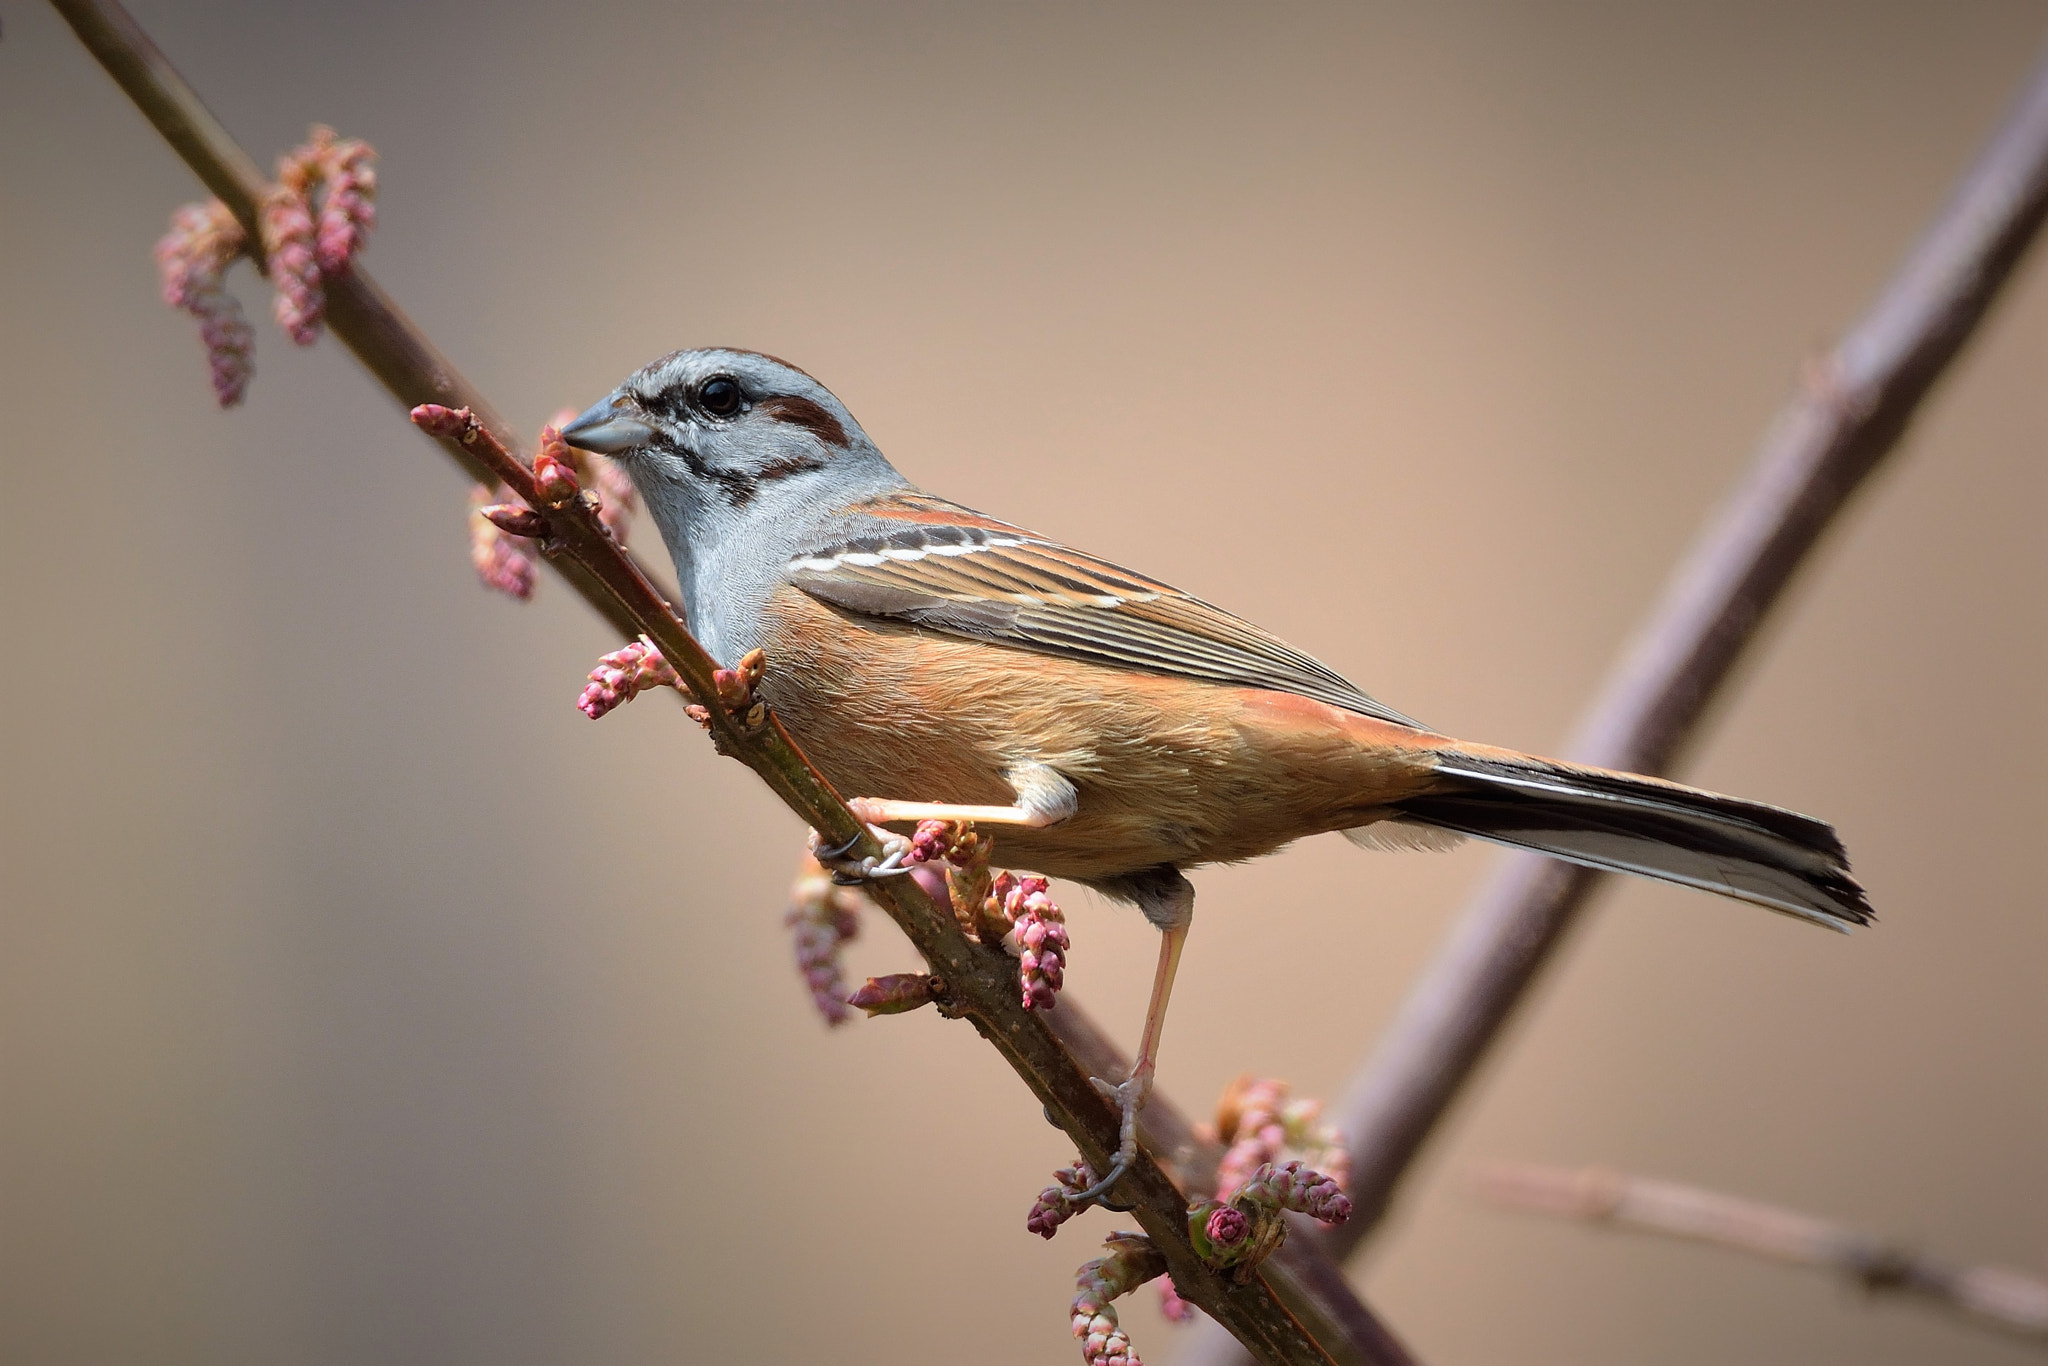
{"type": "Point", "coordinates": [942, 664]}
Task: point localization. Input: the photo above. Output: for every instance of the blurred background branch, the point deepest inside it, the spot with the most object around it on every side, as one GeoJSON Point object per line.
{"type": "Point", "coordinates": [1989, 1296]}
{"type": "Point", "coordinates": [1850, 413]}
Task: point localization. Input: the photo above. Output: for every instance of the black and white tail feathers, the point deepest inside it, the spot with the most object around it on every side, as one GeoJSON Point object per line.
{"type": "Point", "coordinates": [1619, 821]}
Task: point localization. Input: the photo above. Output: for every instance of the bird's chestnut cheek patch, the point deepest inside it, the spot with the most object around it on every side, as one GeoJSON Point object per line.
{"type": "Point", "coordinates": [802, 412]}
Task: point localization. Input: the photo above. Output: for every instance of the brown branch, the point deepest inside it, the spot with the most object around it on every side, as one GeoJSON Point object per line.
{"type": "Point", "coordinates": [1991, 1296]}
{"type": "Point", "coordinates": [1823, 445]}
{"type": "Point", "coordinates": [1295, 1311]}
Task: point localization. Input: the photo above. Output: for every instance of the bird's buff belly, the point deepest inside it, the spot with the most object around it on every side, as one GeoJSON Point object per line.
{"type": "Point", "coordinates": [1167, 770]}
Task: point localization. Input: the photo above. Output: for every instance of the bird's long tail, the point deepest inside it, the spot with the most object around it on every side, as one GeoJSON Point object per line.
{"type": "Point", "coordinates": [1632, 824]}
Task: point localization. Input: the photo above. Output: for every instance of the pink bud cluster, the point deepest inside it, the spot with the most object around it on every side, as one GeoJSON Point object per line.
{"type": "Point", "coordinates": [615, 496]}
{"type": "Point", "coordinates": [617, 499]}
{"type": "Point", "coordinates": [306, 244]}
{"type": "Point", "coordinates": [349, 209]}
{"type": "Point", "coordinates": [1056, 1202]}
{"type": "Point", "coordinates": [1261, 1125]}
{"type": "Point", "coordinates": [934, 840]}
{"type": "Point", "coordinates": [499, 524]}
{"type": "Point", "coordinates": [949, 860]}
{"type": "Point", "coordinates": [824, 917]}
{"type": "Point", "coordinates": [1243, 1232]}
{"type": "Point", "coordinates": [1039, 931]}
{"type": "Point", "coordinates": [301, 245]}
{"type": "Point", "coordinates": [623, 675]}
{"type": "Point", "coordinates": [193, 258]}
{"type": "Point", "coordinates": [287, 224]}
{"type": "Point", "coordinates": [1294, 1186]}
{"type": "Point", "coordinates": [504, 562]}
{"type": "Point", "coordinates": [554, 470]}
{"type": "Point", "coordinates": [1133, 1260]}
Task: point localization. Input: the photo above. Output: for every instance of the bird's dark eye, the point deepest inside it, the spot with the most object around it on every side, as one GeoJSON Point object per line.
{"type": "Point", "coordinates": [720, 396]}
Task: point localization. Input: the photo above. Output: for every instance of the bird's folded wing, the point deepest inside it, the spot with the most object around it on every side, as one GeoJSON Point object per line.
{"type": "Point", "coordinates": [950, 569]}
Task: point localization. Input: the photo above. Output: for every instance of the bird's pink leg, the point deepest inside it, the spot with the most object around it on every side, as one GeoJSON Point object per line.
{"type": "Point", "coordinates": [881, 810]}
{"type": "Point", "coordinates": [1170, 906]}
{"type": "Point", "coordinates": [1044, 798]}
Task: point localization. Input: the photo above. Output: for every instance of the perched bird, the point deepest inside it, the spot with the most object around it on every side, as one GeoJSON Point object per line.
{"type": "Point", "coordinates": [943, 664]}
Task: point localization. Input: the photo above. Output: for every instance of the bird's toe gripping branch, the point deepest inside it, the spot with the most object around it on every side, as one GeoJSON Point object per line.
{"type": "Point", "coordinates": [950, 861]}
{"type": "Point", "coordinates": [850, 871]}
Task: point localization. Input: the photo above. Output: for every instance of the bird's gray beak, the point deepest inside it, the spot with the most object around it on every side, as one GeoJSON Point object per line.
{"type": "Point", "coordinates": [607, 430]}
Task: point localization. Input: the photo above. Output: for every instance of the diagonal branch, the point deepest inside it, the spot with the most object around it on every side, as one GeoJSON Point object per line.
{"type": "Point", "coordinates": [1990, 1296]}
{"type": "Point", "coordinates": [1823, 445]}
{"type": "Point", "coordinates": [1298, 1310]}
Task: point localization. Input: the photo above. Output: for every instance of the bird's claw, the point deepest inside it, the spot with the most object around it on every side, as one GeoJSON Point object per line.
{"type": "Point", "coordinates": [848, 871]}
{"type": "Point", "coordinates": [1129, 1097]}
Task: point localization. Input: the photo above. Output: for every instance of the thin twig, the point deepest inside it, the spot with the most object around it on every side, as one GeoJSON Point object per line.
{"type": "Point", "coordinates": [1992, 1296]}
{"type": "Point", "coordinates": [1822, 446]}
{"type": "Point", "coordinates": [1281, 1315]}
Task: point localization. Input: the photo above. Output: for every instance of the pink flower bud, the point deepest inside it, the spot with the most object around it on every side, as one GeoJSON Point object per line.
{"type": "Point", "coordinates": [1040, 933]}
{"type": "Point", "coordinates": [348, 210]}
{"type": "Point", "coordinates": [450, 424]}
{"type": "Point", "coordinates": [894, 994]}
{"type": "Point", "coordinates": [1133, 1260]}
{"type": "Point", "coordinates": [553, 476]}
{"type": "Point", "coordinates": [822, 915]}
{"type": "Point", "coordinates": [1292, 1186]}
{"type": "Point", "coordinates": [1227, 1227]}
{"type": "Point", "coordinates": [290, 262]}
{"type": "Point", "coordinates": [1055, 1204]}
{"type": "Point", "coordinates": [623, 675]}
{"type": "Point", "coordinates": [503, 563]}
{"type": "Point", "coordinates": [192, 260]}
{"type": "Point", "coordinates": [516, 519]}
{"type": "Point", "coordinates": [1247, 1118]}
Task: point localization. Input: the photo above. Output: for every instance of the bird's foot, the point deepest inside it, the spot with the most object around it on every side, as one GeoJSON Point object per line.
{"type": "Point", "coordinates": [1129, 1097]}
{"type": "Point", "coordinates": [848, 871]}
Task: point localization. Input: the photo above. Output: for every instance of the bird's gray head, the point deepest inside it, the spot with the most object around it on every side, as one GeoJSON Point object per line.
{"type": "Point", "coordinates": [726, 430]}
{"type": "Point", "coordinates": [741, 460]}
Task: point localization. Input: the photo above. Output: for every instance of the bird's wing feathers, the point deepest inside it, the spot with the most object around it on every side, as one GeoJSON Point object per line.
{"type": "Point", "coordinates": [943, 567]}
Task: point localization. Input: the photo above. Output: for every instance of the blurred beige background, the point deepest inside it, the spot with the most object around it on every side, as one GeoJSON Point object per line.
{"type": "Point", "coordinates": [361, 1002]}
